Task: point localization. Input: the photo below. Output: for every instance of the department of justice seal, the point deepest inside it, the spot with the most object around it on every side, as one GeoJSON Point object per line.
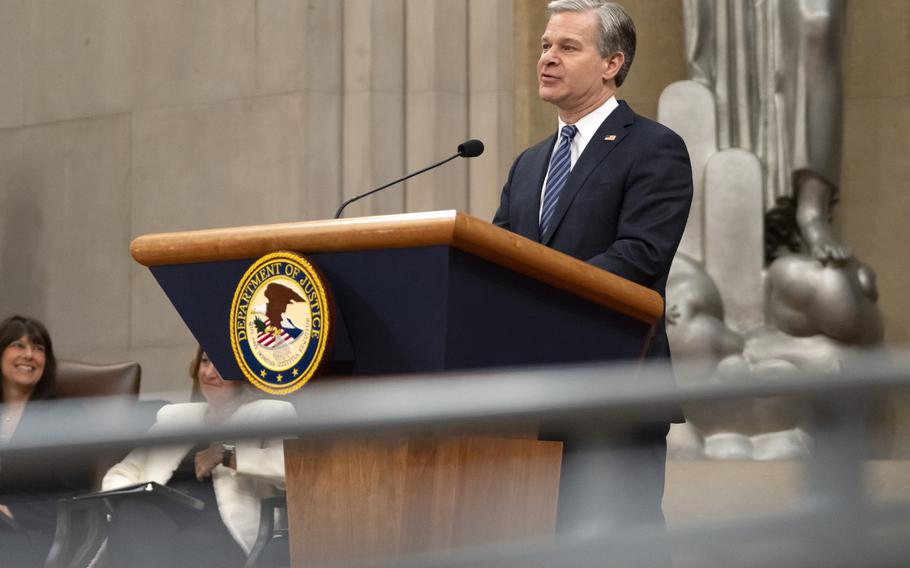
{"type": "Point", "coordinates": [280, 322]}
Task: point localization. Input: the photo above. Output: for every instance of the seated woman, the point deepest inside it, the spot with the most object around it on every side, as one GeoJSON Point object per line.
{"type": "Point", "coordinates": [30, 484]}
{"type": "Point", "coordinates": [231, 479]}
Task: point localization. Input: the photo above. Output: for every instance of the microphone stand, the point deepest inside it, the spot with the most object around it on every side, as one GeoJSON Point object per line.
{"type": "Point", "coordinates": [409, 176]}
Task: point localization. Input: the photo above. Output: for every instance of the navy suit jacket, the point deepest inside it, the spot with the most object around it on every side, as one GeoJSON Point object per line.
{"type": "Point", "coordinates": [624, 205]}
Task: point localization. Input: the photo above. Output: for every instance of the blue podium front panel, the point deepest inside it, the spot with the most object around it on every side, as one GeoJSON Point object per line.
{"type": "Point", "coordinates": [418, 310]}
{"type": "Point", "coordinates": [499, 317]}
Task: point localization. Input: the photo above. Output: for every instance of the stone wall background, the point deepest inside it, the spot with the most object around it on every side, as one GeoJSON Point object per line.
{"type": "Point", "coordinates": [125, 117]}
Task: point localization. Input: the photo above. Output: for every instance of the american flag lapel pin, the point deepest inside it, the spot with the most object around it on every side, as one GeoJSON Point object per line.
{"type": "Point", "coordinates": [610, 138]}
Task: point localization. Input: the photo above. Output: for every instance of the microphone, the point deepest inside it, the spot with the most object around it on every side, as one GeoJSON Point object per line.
{"type": "Point", "coordinates": [468, 149]}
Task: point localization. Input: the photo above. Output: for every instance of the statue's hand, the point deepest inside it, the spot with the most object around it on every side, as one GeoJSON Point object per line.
{"type": "Point", "coordinates": [830, 251]}
{"type": "Point", "coordinates": [813, 219]}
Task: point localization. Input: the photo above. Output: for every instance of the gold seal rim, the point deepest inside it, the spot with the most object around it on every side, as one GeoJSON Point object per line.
{"type": "Point", "coordinates": [319, 285]}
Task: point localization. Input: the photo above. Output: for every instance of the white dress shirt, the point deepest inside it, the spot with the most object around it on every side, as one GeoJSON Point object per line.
{"type": "Point", "coordinates": [587, 126]}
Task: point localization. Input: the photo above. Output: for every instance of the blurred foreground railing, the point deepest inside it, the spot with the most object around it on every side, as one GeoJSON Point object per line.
{"type": "Point", "coordinates": [834, 525]}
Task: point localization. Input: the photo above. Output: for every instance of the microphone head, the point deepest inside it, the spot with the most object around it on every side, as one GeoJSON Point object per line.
{"type": "Point", "coordinates": [470, 148]}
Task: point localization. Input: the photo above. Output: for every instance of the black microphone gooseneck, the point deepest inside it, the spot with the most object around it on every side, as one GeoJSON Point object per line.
{"type": "Point", "coordinates": [468, 149]}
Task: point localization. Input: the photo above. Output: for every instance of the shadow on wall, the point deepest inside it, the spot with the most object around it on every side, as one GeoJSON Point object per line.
{"type": "Point", "coordinates": [22, 230]}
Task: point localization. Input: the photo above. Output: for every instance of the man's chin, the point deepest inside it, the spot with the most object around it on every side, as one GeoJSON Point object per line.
{"type": "Point", "coordinates": [547, 95]}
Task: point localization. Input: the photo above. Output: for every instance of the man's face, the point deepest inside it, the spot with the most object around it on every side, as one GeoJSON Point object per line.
{"type": "Point", "coordinates": [571, 74]}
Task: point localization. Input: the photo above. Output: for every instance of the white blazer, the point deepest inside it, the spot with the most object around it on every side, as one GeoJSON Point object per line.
{"type": "Point", "coordinates": [260, 464]}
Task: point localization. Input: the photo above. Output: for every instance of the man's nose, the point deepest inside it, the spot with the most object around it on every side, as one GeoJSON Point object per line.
{"type": "Point", "coordinates": [548, 58]}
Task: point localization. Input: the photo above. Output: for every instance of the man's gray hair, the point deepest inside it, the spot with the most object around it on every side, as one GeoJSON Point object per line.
{"type": "Point", "coordinates": [617, 30]}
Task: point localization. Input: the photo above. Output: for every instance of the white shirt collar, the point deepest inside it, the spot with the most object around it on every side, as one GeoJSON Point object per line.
{"type": "Point", "coordinates": [588, 125]}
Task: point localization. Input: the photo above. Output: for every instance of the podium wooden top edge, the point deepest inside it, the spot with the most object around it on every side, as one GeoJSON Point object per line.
{"type": "Point", "coordinates": [452, 228]}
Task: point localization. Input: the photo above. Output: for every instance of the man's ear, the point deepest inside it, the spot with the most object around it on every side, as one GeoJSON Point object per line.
{"type": "Point", "coordinates": [612, 65]}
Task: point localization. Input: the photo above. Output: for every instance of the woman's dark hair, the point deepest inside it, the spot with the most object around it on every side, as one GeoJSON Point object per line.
{"type": "Point", "coordinates": [16, 327]}
{"type": "Point", "coordinates": [196, 393]}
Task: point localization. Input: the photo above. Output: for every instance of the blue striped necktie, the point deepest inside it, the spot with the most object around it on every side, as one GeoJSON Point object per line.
{"type": "Point", "coordinates": [560, 166]}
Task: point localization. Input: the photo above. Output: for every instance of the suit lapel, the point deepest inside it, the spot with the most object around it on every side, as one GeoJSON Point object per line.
{"type": "Point", "coordinates": [531, 225]}
{"type": "Point", "coordinates": [608, 136]}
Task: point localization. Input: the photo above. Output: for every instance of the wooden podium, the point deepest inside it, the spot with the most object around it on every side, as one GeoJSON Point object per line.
{"type": "Point", "coordinates": [415, 293]}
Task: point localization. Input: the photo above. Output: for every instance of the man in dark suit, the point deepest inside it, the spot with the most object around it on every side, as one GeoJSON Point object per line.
{"type": "Point", "coordinates": [611, 188]}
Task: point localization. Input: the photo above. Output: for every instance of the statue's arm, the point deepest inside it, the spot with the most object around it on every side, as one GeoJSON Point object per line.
{"type": "Point", "coordinates": [813, 218]}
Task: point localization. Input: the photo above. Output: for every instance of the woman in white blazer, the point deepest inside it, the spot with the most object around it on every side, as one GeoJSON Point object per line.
{"type": "Point", "coordinates": [231, 479]}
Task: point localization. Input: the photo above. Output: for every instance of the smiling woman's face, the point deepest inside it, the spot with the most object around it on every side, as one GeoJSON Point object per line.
{"type": "Point", "coordinates": [22, 363]}
{"type": "Point", "coordinates": [215, 389]}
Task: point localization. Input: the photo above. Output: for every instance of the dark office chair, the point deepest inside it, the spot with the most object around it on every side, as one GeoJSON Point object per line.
{"type": "Point", "coordinates": [271, 547]}
{"type": "Point", "coordinates": [76, 379]}
{"type": "Point", "coordinates": [77, 523]}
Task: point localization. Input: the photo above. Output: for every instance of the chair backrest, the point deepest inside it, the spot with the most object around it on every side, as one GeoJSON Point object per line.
{"type": "Point", "coordinates": [76, 379]}
{"type": "Point", "coordinates": [75, 543]}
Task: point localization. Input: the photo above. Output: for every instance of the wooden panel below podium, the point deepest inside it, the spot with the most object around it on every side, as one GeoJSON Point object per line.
{"type": "Point", "coordinates": [350, 500]}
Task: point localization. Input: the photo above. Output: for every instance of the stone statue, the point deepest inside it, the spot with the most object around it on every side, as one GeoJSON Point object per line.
{"type": "Point", "coordinates": [762, 286]}
{"type": "Point", "coordinates": [774, 68]}
{"type": "Point", "coordinates": [816, 315]}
